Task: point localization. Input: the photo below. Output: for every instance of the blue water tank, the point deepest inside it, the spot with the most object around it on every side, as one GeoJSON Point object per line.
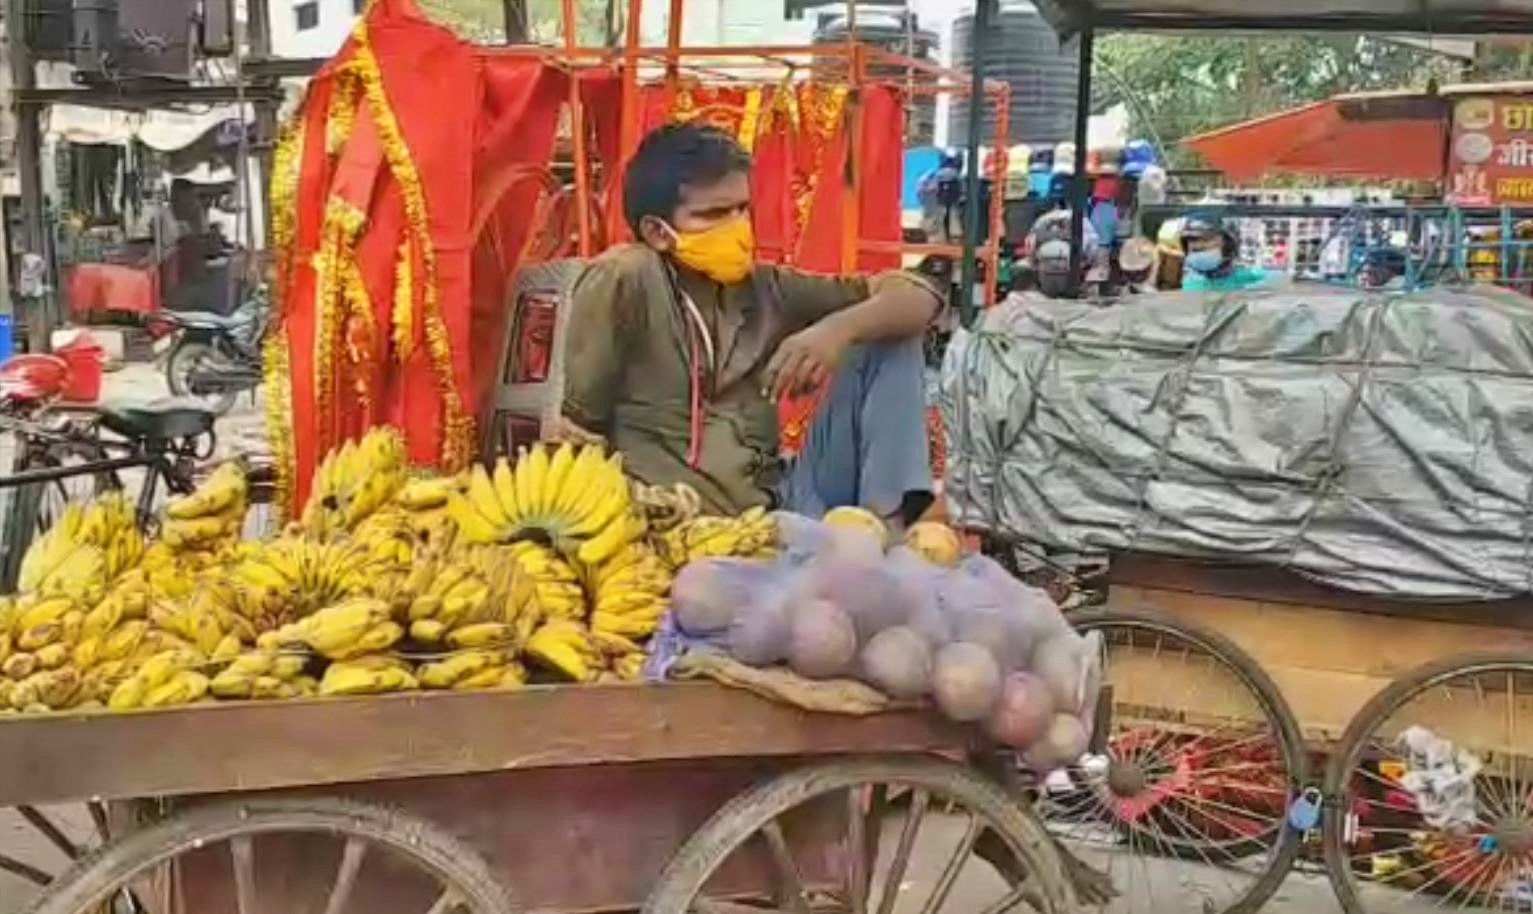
{"type": "Point", "coordinates": [1024, 51]}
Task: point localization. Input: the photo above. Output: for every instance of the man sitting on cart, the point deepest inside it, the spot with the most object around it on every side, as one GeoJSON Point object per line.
{"type": "Point", "coordinates": [680, 346]}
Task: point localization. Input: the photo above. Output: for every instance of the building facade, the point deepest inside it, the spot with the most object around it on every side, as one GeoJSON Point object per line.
{"type": "Point", "coordinates": [311, 28]}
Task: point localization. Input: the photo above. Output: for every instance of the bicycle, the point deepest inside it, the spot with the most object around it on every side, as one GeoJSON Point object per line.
{"type": "Point", "coordinates": [166, 441]}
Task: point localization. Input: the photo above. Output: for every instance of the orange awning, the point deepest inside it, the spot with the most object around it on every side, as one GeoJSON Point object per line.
{"type": "Point", "coordinates": [1391, 136]}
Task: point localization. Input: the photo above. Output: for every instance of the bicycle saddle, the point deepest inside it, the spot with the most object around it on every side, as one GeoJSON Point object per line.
{"type": "Point", "coordinates": [166, 420]}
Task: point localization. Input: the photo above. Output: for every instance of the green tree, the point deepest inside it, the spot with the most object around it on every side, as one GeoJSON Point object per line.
{"type": "Point", "coordinates": [1175, 87]}
{"type": "Point", "coordinates": [483, 21]}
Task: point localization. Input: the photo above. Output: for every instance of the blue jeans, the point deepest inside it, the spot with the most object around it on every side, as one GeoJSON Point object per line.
{"type": "Point", "coordinates": [867, 445]}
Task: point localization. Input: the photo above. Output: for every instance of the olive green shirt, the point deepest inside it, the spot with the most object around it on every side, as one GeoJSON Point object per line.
{"type": "Point", "coordinates": [627, 366]}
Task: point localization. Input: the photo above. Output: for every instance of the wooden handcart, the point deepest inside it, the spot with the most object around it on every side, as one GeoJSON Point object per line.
{"type": "Point", "coordinates": [1410, 723]}
{"type": "Point", "coordinates": [675, 798]}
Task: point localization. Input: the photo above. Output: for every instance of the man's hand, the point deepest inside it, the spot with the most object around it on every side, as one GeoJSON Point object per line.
{"type": "Point", "coordinates": [565, 430]}
{"type": "Point", "coordinates": [807, 359]}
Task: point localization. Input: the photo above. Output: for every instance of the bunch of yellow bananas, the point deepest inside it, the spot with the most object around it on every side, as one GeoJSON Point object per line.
{"type": "Point", "coordinates": [283, 580]}
{"type": "Point", "coordinates": [630, 592]}
{"type": "Point", "coordinates": [622, 658]}
{"type": "Point", "coordinates": [354, 627]}
{"type": "Point", "coordinates": [367, 675]}
{"type": "Point", "coordinates": [478, 668]}
{"type": "Point", "coordinates": [555, 583]}
{"type": "Point", "coordinates": [751, 535]}
{"type": "Point", "coordinates": [567, 648]}
{"type": "Point", "coordinates": [60, 563]}
{"type": "Point", "coordinates": [212, 516]}
{"type": "Point", "coordinates": [570, 497]}
{"type": "Point", "coordinates": [171, 677]}
{"type": "Point", "coordinates": [474, 597]}
{"type": "Point", "coordinates": [667, 507]}
{"type": "Point", "coordinates": [264, 674]}
{"type": "Point", "coordinates": [355, 480]}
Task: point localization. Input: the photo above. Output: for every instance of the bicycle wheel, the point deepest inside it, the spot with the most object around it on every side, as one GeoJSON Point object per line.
{"type": "Point", "coordinates": [1203, 757]}
{"type": "Point", "coordinates": [952, 817]}
{"type": "Point", "coordinates": [1431, 792]}
{"type": "Point", "coordinates": [277, 847]}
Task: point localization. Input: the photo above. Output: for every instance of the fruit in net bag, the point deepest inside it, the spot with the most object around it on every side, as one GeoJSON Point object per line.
{"type": "Point", "coordinates": [966, 681]}
{"type": "Point", "coordinates": [936, 543]}
{"type": "Point", "coordinates": [898, 662]}
{"type": "Point", "coordinates": [822, 640]}
{"type": "Point", "coordinates": [1037, 612]}
{"type": "Point", "coordinates": [707, 593]}
{"type": "Point", "coordinates": [1063, 662]}
{"type": "Point", "coordinates": [859, 519]}
{"type": "Point", "coordinates": [1025, 711]}
{"type": "Point", "coordinates": [919, 581]}
{"type": "Point", "coordinates": [866, 590]}
{"type": "Point", "coordinates": [1063, 743]}
{"type": "Point", "coordinates": [759, 633]}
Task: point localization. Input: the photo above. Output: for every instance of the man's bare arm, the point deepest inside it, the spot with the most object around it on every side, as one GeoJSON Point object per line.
{"type": "Point", "coordinates": [898, 309]}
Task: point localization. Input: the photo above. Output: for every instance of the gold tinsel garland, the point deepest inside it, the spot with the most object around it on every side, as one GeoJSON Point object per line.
{"type": "Point", "coordinates": [458, 434]}
{"type": "Point", "coordinates": [287, 163]}
{"type": "Point", "coordinates": [337, 248]}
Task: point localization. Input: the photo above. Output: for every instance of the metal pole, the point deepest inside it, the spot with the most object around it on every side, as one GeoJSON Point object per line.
{"type": "Point", "coordinates": [1081, 188]}
{"type": "Point", "coordinates": [972, 216]}
{"type": "Point", "coordinates": [515, 13]}
{"type": "Point", "coordinates": [29, 171]}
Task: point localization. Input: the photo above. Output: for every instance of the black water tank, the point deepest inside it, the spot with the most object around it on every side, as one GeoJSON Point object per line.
{"type": "Point", "coordinates": [1026, 53]}
{"type": "Point", "coordinates": [898, 32]}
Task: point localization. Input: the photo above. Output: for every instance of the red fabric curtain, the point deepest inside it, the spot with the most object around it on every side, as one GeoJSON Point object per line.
{"type": "Point", "coordinates": [414, 150]}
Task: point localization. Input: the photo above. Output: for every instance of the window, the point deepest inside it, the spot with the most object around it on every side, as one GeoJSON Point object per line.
{"type": "Point", "coordinates": [307, 15]}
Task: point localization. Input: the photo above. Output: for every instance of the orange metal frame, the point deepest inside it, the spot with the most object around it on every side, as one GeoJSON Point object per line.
{"type": "Point", "coordinates": [768, 65]}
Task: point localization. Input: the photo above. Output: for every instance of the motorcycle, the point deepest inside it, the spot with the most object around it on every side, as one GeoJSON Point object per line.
{"type": "Point", "coordinates": [215, 357]}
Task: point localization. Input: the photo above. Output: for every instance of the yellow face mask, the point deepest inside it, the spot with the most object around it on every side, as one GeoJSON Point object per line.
{"type": "Point", "coordinates": [724, 253]}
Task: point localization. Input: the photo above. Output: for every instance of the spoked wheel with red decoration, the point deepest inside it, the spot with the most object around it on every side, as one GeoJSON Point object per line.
{"type": "Point", "coordinates": [1185, 808]}
{"type": "Point", "coordinates": [1431, 792]}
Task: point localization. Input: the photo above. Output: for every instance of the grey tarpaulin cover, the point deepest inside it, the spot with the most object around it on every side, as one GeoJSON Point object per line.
{"type": "Point", "coordinates": [1378, 443]}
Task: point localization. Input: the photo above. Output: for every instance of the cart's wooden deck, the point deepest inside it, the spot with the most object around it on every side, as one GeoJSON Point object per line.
{"type": "Point", "coordinates": [220, 748]}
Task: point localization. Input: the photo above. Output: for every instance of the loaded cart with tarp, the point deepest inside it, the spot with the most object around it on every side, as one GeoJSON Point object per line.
{"type": "Point", "coordinates": [1334, 487]}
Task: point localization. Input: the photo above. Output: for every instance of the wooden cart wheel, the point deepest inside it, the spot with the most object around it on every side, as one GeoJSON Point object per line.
{"type": "Point", "coordinates": [427, 869]}
{"type": "Point", "coordinates": [917, 822]}
{"type": "Point", "coordinates": [1430, 794]}
{"type": "Point", "coordinates": [1203, 757]}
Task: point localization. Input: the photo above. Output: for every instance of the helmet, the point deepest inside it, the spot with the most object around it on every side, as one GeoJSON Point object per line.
{"type": "Point", "coordinates": [1137, 156]}
{"type": "Point", "coordinates": [1048, 246]}
{"type": "Point", "coordinates": [1199, 226]}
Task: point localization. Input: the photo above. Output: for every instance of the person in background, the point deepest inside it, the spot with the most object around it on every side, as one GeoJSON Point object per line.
{"type": "Point", "coordinates": [679, 348]}
{"type": "Point", "coordinates": [1212, 261]}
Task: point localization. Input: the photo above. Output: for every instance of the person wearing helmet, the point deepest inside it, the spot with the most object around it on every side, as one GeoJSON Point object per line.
{"type": "Point", "coordinates": [1049, 248]}
{"type": "Point", "coordinates": [1212, 257]}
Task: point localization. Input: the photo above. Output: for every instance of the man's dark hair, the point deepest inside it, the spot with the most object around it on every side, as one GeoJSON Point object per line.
{"type": "Point", "coordinates": [674, 157]}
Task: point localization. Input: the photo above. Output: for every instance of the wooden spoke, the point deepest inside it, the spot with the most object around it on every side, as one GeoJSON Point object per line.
{"type": "Point", "coordinates": [242, 849]}
{"type": "Point", "coordinates": [446, 903]}
{"type": "Point", "coordinates": [791, 884]}
{"type": "Point", "coordinates": [346, 876]}
{"type": "Point", "coordinates": [25, 870]}
{"type": "Point", "coordinates": [919, 801]}
{"type": "Point", "coordinates": [1006, 905]}
{"type": "Point", "coordinates": [98, 816]}
{"type": "Point", "coordinates": [954, 866]}
{"type": "Point", "coordinates": [48, 830]}
{"type": "Point", "coordinates": [857, 850]}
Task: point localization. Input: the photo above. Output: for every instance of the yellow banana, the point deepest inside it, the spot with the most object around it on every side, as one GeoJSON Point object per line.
{"type": "Point", "coordinates": [473, 524]}
{"type": "Point", "coordinates": [350, 679]}
{"type": "Point", "coordinates": [555, 486]}
{"type": "Point", "coordinates": [425, 494]}
{"type": "Point", "coordinates": [504, 481]}
{"type": "Point", "coordinates": [483, 634]}
{"type": "Point", "coordinates": [531, 471]}
{"type": "Point", "coordinates": [606, 544]}
{"type": "Point", "coordinates": [428, 631]}
{"type": "Point", "coordinates": [442, 674]}
{"type": "Point", "coordinates": [184, 687]}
